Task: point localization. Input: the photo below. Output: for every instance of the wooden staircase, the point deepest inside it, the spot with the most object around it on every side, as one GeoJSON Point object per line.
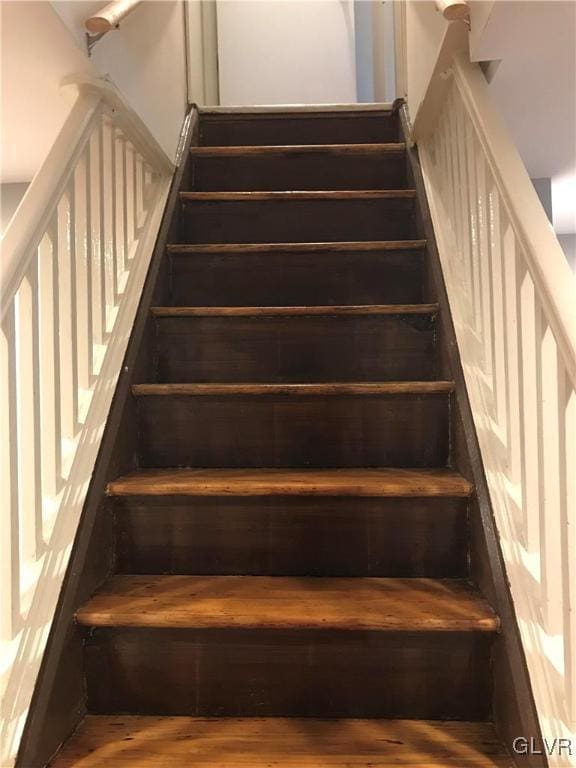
{"type": "Point", "coordinates": [292, 582]}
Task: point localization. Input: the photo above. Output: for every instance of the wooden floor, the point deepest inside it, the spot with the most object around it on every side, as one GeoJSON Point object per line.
{"type": "Point", "coordinates": [184, 742]}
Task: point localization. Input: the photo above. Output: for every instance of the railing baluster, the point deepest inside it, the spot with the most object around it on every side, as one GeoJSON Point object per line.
{"type": "Point", "coordinates": [551, 528]}
{"type": "Point", "coordinates": [109, 221]}
{"type": "Point", "coordinates": [512, 376]}
{"type": "Point", "coordinates": [530, 323]}
{"type": "Point", "coordinates": [49, 292]}
{"type": "Point", "coordinates": [67, 296]}
{"type": "Point", "coordinates": [83, 313]}
{"type": "Point", "coordinates": [28, 421]}
{"type": "Point", "coordinates": [130, 203]}
{"type": "Point", "coordinates": [119, 206]}
{"type": "Point", "coordinates": [96, 247]}
{"type": "Point", "coordinates": [569, 459]}
{"type": "Point", "coordinates": [9, 533]}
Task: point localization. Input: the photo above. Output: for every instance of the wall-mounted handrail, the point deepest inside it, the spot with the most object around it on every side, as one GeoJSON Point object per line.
{"type": "Point", "coordinates": [74, 260]}
{"type": "Point", "coordinates": [110, 16]}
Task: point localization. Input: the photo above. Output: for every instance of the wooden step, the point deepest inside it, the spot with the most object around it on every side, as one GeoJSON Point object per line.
{"type": "Point", "coordinates": [296, 344]}
{"type": "Point", "coordinates": [297, 216]}
{"type": "Point", "coordinates": [268, 482]}
{"type": "Point", "coordinates": [400, 424]}
{"type": "Point", "coordinates": [354, 388]}
{"type": "Point", "coordinates": [327, 247]}
{"type": "Point", "coordinates": [259, 602]}
{"type": "Point", "coordinates": [299, 195]}
{"type": "Point", "coordinates": [336, 127]}
{"type": "Point", "coordinates": [279, 150]}
{"type": "Point", "coordinates": [278, 535]}
{"type": "Point", "coordinates": [349, 309]}
{"type": "Point", "coordinates": [302, 167]}
{"type": "Point", "coordinates": [122, 741]}
{"type": "Point", "coordinates": [288, 274]}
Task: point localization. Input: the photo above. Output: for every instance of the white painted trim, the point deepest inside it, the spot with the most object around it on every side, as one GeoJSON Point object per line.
{"type": "Point", "coordinates": [513, 301]}
{"type": "Point", "coordinates": [68, 307]}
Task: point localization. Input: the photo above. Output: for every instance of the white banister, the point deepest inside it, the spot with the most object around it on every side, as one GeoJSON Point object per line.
{"type": "Point", "coordinates": [513, 301]}
{"type": "Point", "coordinates": [74, 260]}
{"type": "Point", "coordinates": [110, 16]}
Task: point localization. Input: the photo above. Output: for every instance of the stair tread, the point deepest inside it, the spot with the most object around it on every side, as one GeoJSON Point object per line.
{"type": "Point", "coordinates": [347, 309]}
{"type": "Point", "coordinates": [286, 482]}
{"type": "Point", "coordinates": [296, 149]}
{"type": "Point", "coordinates": [347, 388]}
{"type": "Point", "coordinates": [124, 741]}
{"type": "Point", "coordinates": [280, 602]}
{"type": "Point", "coordinates": [330, 247]}
{"type": "Point", "coordinates": [355, 194]}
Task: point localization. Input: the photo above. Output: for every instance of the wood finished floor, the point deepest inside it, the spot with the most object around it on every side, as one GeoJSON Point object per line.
{"type": "Point", "coordinates": [182, 742]}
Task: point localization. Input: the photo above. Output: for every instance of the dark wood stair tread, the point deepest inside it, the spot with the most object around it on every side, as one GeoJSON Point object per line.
{"type": "Point", "coordinates": [121, 741]}
{"type": "Point", "coordinates": [284, 482]}
{"type": "Point", "coordinates": [298, 149]}
{"type": "Point", "coordinates": [325, 247]}
{"type": "Point", "coordinates": [275, 602]}
{"type": "Point", "coordinates": [356, 194]}
{"type": "Point", "coordinates": [348, 309]}
{"type": "Point", "coordinates": [348, 388]}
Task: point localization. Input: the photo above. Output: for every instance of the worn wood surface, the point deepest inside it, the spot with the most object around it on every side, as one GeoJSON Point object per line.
{"type": "Point", "coordinates": [347, 388]}
{"type": "Point", "coordinates": [397, 429]}
{"type": "Point", "coordinates": [144, 742]}
{"type": "Point", "coordinates": [396, 148]}
{"type": "Point", "coordinates": [292, 535]}
{"type": "Point", "coordinates": [298, 217]}
{"type": "Point", "coordinates": [293, 673]}
{"type": "Point", "coordinates": [291, 274]}
{"type": "Point", "coordinates": [406, 605]}
{"type": "Point", "coordinates": [363, 309]}
{"type": "Point", "coordinates": [284, 348]}
{"type": "Point", "coordinates": [374, 245]}
{"type": "Point", "coordinates": [270, 482]}
{"type": "Point", "coordinates": [309, 128]}
{"type": "Point", "coordinates": [310, 195]}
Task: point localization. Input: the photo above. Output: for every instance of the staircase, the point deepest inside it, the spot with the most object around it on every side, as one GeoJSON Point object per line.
{"type": "Point", "coordinates": [292, 553]}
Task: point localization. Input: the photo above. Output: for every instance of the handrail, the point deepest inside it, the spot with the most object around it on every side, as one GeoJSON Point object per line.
{"type": "Point", "coordinates": [110, 16]}
{"type": "Point", "coordinates": [74, 260]}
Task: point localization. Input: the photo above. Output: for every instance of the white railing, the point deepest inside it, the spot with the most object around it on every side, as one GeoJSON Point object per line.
{"type": "Point", "coordinates": [513, 300]}
{"type": "Point", "coordinates": [74, 260]}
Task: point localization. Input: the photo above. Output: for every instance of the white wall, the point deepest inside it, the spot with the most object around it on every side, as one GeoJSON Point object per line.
{"type": "Point", "coordinates": [37, 52]}
{"type": "Point", "coordinates": [534, 87]}
{"type": "Point", "coordinates": [145, 58]}
{"type": "Point", "coordinates": [286, 52]}
{"type": "Point", "coordinates": [43, 42]}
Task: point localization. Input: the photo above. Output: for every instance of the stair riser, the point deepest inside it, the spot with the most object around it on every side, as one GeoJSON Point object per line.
{"type": "Point", "coordinates": [294, 431]}
{"type": "Point", "coordinates": [303, 171]}
{"type": "Point", "coordinates": [282, 221]}
{"type": "Point", "coordinates": [293, 536]}
{"type": "Point", "coordinates": [297, 673]}
{"type": "Point", "coordinates": [297, 279]}
{"type": "Point", "coordinates": [297, 129]}
{"type": "Point", "coordinates": [297, 349]}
